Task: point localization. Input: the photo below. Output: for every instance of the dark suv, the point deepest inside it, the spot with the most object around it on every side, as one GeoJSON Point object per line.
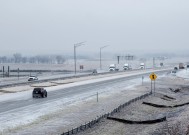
{"type": "Point", "coordinates": [39, 92]}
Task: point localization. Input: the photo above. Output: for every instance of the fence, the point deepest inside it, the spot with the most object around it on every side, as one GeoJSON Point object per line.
{"type": "Point", "coordinates": [98, 119]}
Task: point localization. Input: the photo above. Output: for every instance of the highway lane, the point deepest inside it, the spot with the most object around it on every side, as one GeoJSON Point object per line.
{"type": "Point", "coordinates": [13, 105]}
{"type": "Point", "coordinates": [15, 81]}
{"type": "Point", "coordinates": [8, 81]}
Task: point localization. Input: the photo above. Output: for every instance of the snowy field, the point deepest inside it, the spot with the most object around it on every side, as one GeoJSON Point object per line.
{"type": "Point", "coordinates": [94, 64]}
{"type": "Point", "coordinates": [89, 65]}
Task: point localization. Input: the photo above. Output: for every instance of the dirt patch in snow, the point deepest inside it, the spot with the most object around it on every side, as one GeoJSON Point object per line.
{"type": "Point", "coordinates": [15, 89]}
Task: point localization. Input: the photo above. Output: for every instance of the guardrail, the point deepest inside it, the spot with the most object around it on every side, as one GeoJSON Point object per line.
{"type": "Point", "coordinates": [98, 119]}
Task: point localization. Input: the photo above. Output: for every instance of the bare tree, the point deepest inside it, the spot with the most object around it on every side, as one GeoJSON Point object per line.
{"type": "Point", "coordinates": [60, 59]}
{"type": "Point", "coordinates": [32, 60]}
{"type": "Point", "coordinates": [17, 57]}
{"type": "Point", "coordinates": [24, 59]}
{"type": "Point", "coordinates": [47, 59]}
{"type": "Point", "coordinates": [3, 59]}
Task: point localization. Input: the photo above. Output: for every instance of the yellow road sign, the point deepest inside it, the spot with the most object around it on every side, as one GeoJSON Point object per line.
{"type": "Point", "coordinates": [153, 76]}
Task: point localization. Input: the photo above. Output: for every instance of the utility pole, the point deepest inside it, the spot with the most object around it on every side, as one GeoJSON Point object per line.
{"type": "Point", "coordinates": [8, 71]}
{"type": "Point", "coordinates": [18, 73]}
{"type": "Point", "coordinates": [101, 55]}
{"type": "Point", "coordinates": [3, 71]}
{"type": "Point", "coordinates": [75, 46]}
{"type": "Point", "coordinates": [153, 62]}
{"type": "Point", "coordinates": [118, 59]}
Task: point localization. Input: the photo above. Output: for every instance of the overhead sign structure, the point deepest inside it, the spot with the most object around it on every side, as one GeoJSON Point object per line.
{"type": "Point", "coordinates": [153, 76]}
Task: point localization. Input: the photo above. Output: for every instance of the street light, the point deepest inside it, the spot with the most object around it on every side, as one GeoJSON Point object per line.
{"type": "Point", "coordinates": [100, 55]}
{"type": "Point", "coordinates": [75, 46]}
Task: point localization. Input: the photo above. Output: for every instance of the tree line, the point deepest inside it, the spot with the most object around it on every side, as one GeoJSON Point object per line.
{"type": "Point", "coordinates": [39, 59]}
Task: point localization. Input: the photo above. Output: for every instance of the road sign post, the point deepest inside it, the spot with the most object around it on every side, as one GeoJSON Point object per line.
{"type": "Point", "coordinates": [18, 73]}
{"type": "Point", "coordinates": [154, 85]}
{"type": "Point", "coordinates": [151, 86]}
{"type": "Point", "coordinates": [153, 77]}
{"type": "Point", "coordinates": [97, 96]}
{"type": "Point", "coordinates": [142, 79]}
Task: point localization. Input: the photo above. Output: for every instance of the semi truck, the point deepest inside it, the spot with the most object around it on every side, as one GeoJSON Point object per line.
{"type": "Point", "coordinates": [126, 66]}
{"type": "Point", "coordinates": [142, 66]}
{"type": "Point", "coordinates": [113, 67]}
{"type": "Point", "coordinates": [181, 65]}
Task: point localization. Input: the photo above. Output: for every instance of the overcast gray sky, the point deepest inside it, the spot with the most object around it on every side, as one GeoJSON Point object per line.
{"type": "Point", "coordinates": [54, 26]}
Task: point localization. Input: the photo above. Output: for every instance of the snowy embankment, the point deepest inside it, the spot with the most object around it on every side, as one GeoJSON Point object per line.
{"type": "Point", "coordinates": [176, 117]}
{"type": "Point", "coordinates": [184, 73]}
{"type": "Point", "coordinates": [37, 113]}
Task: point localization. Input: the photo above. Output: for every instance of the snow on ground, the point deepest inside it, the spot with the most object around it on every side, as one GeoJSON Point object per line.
{"type": "Point", "coordinates": [184, 73]}
{"type": "Point", "coordinates": [10, 119]}
{"type": "Point", "coordinates": [10, 80]}
{"type": "Point", "coordinates": [177, 118]}
{"type": "Point", "coordinates": [24, 120]}
{"type": "Point", "coordinates": [64, 114]}
{"type": "Point", "coordinates": [76, 81]}
{"type": "Point", "coordinates": [68, 65]}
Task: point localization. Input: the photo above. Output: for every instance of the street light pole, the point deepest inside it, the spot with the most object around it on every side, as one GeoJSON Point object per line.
{"type": "Point", "coordinates": [75, 46]}
{"type": "Point", "coordinates": [153, 62]}
{"type": "Point", "coordinates": [75, 58]}
{"type": "Point", "coordinates": [101, 55]}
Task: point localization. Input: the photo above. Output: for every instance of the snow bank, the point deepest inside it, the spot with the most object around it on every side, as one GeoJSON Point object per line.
{"type": "Point", "coordinates": [183, 73]}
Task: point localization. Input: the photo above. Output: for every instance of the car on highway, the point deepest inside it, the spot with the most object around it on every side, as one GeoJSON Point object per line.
{"type": "Point", "coordinates": [32, 78]}
{"type": "Point", "coordinates": [181, 65]}
{"type": "Point", "coordinates": [39, 92]}
{"type": "Point", "coordinates": [173, 72]}
{"type": "Point", "coordinates": [94, 71]}
{"type": "Point", "coordinates": [175, 68]}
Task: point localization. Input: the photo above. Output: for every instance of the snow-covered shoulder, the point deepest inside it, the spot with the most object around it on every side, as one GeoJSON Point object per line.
{"type": "Point", "coordinates": [183, 73]}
